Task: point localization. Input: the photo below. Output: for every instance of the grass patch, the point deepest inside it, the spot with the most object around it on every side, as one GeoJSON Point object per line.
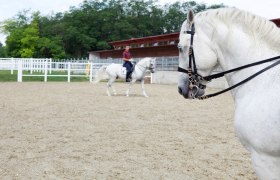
{"type": "Point", "coordinates": [6, 76]}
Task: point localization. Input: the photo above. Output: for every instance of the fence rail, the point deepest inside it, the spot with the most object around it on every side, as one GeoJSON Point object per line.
{"type": "Point", "coordinates": [79, 70]}
{"type": "Point", "coordinates": [84, 68]}
{"type": "Point", "coordinates": [30, 67]}
{"type": "Point", "coordinates": [46, 67]}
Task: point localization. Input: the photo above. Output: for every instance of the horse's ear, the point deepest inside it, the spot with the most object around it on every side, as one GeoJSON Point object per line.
{"type": "Point", "coordinates": [190, 16]}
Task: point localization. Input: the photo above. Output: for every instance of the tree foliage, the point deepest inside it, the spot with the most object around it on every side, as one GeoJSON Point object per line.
{"type": "Point", "coordinates": [2, 50]}
{"type": "Point", "coordinates": [91, 26]}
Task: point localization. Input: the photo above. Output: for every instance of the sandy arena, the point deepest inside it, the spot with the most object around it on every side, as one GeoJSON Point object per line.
{"type": "Point", "coordinates": [74, 131]}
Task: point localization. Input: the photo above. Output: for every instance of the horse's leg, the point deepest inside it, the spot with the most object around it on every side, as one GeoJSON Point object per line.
{"type": "Point", "coordinates": [143, 89]}
{"type": "Point", "coordinates": [130, 84]}
{"type": "Point", "coordinates": [109, 85]}
{"type": "Point", "coordinates": [108, 88]}
{"type": "Point", "coordinates": [114, 90]}
{"type": "Point", "coordinates": [267, 166]}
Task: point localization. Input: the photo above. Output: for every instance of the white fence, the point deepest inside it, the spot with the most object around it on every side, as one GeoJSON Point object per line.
{"type": "Point", "coordinates": [30, 64]}
{"type": "Point", "coordinates": [166, 69]}
{"type": "Point", "coordinates": [46, 67]}
{"type": "Point", "coordinates": [68, 66]}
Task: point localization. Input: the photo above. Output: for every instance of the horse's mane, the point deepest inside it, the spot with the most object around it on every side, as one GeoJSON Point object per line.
{"type": "Point", "coordinates": [257, 25]}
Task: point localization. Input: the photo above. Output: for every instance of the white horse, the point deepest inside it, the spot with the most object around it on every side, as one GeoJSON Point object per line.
{"type": "Point", "coordinates": [115, 71]}
{"type": "Point", "coordinates": [232, 38]}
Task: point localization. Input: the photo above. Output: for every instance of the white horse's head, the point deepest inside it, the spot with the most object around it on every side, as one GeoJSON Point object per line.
{"type": "Point", "coordinates": [149, 63]}
{"type": "Point", "coordinates": [195, 42]}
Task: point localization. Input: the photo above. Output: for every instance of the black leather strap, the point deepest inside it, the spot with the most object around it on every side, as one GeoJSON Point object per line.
{"type": "Point", "coordinates": [241, 82]}
{"type": "Point", "coordinates": [221, 74]}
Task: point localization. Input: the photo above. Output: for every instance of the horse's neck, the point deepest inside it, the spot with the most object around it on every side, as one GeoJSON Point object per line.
{"type": "Point", "coordinates": [140, 68]}
{"type": "Point", "coordinates": [236, 48]}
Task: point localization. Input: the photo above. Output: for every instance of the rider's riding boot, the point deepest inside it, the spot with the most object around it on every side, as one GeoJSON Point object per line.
{"type": "Point", "coordinates": [127, 79]}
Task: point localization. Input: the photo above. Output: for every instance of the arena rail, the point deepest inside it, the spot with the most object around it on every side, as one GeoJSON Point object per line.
{"type": "Point", "coordinates": [32, 67]}
{"type": "Point", "coordinates": [83, 69]}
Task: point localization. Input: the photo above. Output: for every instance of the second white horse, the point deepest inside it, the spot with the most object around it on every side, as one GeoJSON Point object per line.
{"type": "Point", "coordinates": [115, 71]}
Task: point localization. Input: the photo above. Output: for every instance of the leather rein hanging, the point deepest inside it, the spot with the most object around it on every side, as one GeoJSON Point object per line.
{"type": "Point", "coordinates": [196, 79]}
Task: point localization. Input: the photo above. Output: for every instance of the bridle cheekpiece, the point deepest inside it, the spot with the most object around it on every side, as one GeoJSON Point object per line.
{"type": "Point", "coordinates": [194, 78]}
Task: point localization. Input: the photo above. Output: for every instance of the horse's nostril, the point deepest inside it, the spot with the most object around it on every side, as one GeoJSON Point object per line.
{"type": "Point", "coordinates": [180, 90]}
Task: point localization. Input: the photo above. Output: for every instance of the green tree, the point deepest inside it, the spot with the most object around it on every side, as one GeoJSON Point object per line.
{"type": "Point", "coordinates": [29, 39]}
{"type": "Point", "coordinates": [2, 50]}
{"type": "Point", "coordinates": [22, 36]}
{"type": "Point", "coordinates": [175, 13]}
{"type": "Point", "coordinates": [91, 26]}
{"type": "Point", "coordinates": [174, 17]}
{"type": "Point", "coordinates": [51, 32]}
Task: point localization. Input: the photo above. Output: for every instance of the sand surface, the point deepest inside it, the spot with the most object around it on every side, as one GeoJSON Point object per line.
{"type": "Point", "coordinates": [74, 131]}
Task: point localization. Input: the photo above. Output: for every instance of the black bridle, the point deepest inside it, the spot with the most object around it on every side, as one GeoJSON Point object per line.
{"type": "Point", "coordinates": [194, 77]}
{"type": "Point", "coordinates": [197, 80]}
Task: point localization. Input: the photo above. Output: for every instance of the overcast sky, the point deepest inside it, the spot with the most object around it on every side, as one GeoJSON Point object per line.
{"type": "Point", "coordinates": [9, 8]}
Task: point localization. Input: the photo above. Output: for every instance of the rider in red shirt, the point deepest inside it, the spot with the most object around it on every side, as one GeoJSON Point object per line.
{"type": "Point", "coordinates": [126, 58]}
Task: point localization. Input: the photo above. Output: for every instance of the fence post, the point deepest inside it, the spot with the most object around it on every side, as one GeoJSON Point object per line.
{"type": "Point", "coordinates": [69, 72]}
{"type": "Point", "coordinates": [42, 66]}
{"type": "Point", "coordinates": [46, 71]}
{"type": "Point", "coordinates": [19, 78]}
{"type": "Point", "coordinates": [31, 65]}
{"type": "Point", "coordinates": [13, 66]}
{"type": "Point", "coordinates": [90, 72]}
{"type": "Point", "coordinates": [50, 65]}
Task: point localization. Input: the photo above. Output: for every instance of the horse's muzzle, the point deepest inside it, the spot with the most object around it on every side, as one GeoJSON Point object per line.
{"type": "Point", "coordinates": [188, 91]}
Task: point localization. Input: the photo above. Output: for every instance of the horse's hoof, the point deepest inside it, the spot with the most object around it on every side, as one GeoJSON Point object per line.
{"type": "Point", "coordinates": [145, 95]}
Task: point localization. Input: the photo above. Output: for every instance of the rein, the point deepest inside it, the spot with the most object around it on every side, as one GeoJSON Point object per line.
{"type": "Point", "coordinates": [241, 82]}
{"type": "Point", "coordinates": [195, 78]}
{"type": "Point", "coordinates": [221, 74]}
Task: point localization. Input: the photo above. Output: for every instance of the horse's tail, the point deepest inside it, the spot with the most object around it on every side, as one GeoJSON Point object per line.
{"type": "Point", "coordinates": [98, 75]}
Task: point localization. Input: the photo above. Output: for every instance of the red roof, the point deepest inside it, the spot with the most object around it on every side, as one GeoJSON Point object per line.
{"type": "Point", "coordinates": [149, 39]}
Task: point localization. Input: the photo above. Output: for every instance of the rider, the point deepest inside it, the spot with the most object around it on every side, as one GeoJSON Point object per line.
{"type": "Point", "coordinates": [126, 58]}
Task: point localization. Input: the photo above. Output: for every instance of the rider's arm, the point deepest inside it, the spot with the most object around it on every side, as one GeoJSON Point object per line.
{"type": "Point", "coordinates": [125, 59]}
